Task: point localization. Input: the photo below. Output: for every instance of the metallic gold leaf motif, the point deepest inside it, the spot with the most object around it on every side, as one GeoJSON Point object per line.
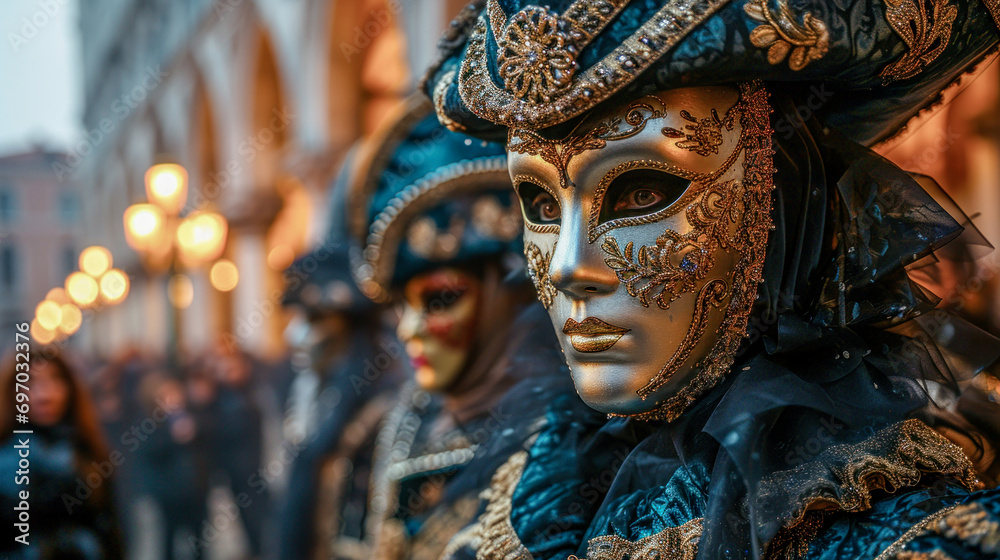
{"type": "Point", "coordinates": [783, 36]}
{"type": "Point", "coordinates": [703, 136]}
{"type": "Point", "coordinates": [926, 34]}
{"type": "Point", "coordinates": [538, 271]}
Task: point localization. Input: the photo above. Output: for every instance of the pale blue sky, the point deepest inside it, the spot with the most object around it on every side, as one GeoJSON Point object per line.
{"type": "Point", "coordinates": [41, 87]}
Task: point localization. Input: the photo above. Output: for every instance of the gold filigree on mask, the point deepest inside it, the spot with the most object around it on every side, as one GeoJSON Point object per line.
{"type": "Point", "coordinates": [558, 153]}
{"type": "Point", "coordinates": [676, 263]}
{"type": "Point", "coordinates": [783, 37]}
{"type": "Point", "coordinates": [705, 135]}
{"type": "Point", "coordinates": [748, 205]}
{"type": "Point", "coordinates": [926, 34]}
{"type": "Point", "coordinates": [538, 271]}
{"type": "Point", "coordinates": [698, 180]}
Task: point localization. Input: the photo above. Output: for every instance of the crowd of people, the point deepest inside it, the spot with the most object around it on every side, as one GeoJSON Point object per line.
{"type": "Point", "coordinates": [108, 436]}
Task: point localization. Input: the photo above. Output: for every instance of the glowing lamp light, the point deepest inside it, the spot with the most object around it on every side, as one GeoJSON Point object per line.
{"type": "Point", "coordinates": [201, 237]}
{"type": "Point", "coordinates": [72, 318]}
{"type": "Point", "coordinates": [57, 295]}
{"type": "Point", "coordinates": [114, 286]}
{"type": "Point", "coordinates": [224, 275]}
{"type": "Point", "coordinates": [180, 290]}
{"type": "Point", "coordinates": [49, 315]}
{"type": "Point", "coordinates": [82, 288]}
{"type": "Point", "coordinates": [166, 186]}
{"type": "Point", "coordinates": [144, 225]}
{"type": "Point", "coordinates": [41, 334]}
{"type": "Point", "coordinates": [95, 260]}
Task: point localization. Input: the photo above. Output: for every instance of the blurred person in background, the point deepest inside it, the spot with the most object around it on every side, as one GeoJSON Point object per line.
{"type": "Point", "coordinates": [238, 433]}
{"type": "Point", "coordinates": [439, 235]}
{"type": "Point", "coordinates": [71, 470]}
{"type": "Point", "coordinates": [345, 385]}
{"type": "Point", "coordinates": [169, 469]}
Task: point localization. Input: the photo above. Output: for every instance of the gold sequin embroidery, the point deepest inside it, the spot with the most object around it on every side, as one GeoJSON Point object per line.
{"type": "Point", "coordinates": [538, 271]}
{"type": "Point", "coordinates": [926, 34]}
{"type": "Point", "coordinates": [587, 88]}
{"type": "Point", "coordinates": [676, 543]}
{"type": "Point", "coordinates": [783, 37]}
{"type": "Point", "coordinates": [896, 457]}
{"type": "Point", "coordinates": [498, 537]}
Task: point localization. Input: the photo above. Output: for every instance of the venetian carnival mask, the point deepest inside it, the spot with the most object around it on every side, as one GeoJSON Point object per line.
{"type": "Point", "coordinates": [438, 325]}
{"type": "Point", "coordinates": [646, 230]}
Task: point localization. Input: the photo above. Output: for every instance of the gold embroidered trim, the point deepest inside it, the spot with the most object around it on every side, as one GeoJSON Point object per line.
{"type": "Point", "coordinates": [969, 523]}
{"type": "Point", "coordinates": [926, 35]}
{"type": "Point", "coordinates": [538, 271]}
{"type": "Point", "coordinates": [972, 525]}
{"type": "Point", "coordinates": [843, 477]}
{"type": "Point", "coordinates": [440, 92]}
{"type": "Point", "coordinates": [932, 555]}
{"type": "Point", "coordinates": [585, 89]}
{"type": "Point", "coordinates": [783, 37]}
{"type": "Point", "coordinates": [994, 7]}
{"type": "Point", "coordinates": [913, 532]}
{"type": "Point", "coordinates": [499, 539]}
{"type": "Point", "coordinates": [676, 543]}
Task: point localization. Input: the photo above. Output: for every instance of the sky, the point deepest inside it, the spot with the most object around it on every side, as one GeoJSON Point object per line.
{"type": "Point", "coordinates": [41, 83]}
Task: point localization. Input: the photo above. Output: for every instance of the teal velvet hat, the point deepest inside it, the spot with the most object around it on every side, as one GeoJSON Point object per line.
{"type": "Point", "coordinates": [423, 197]}
{"type": "Point", "coordinates": [870, 65]}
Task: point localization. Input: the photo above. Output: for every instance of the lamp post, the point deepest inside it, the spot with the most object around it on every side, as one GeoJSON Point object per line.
{"type": "Point", "coordinates": [168, 242]}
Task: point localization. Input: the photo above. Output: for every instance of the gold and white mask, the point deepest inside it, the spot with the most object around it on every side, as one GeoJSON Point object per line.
{"type": "Point", "coordinates": [646, 230]}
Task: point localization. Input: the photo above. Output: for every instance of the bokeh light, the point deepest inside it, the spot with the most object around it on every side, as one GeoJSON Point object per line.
{"type": "Point", "coordinates": [41, 334]}
{"type": "Point", "coordinates": [224, 275]}
{"type": "Point", "coordinates": [72, 318]}
{"type": "Point", "coordinates": [180, 291]}
{"type": "Point", "coordinates": [95, 260]}
{"type": "Point", "coordinates": [114, 286]}
{"type": "Point", "coordinates": [166, 186]}
{"type": "Point", "coordinates": [82, 288]}
{"type": "Point", "coordinates": [48, 314]}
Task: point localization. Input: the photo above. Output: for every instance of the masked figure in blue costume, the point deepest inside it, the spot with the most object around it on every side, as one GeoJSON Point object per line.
{"type": "Point", "coordinates": [337, 404]}
{"type": "Point", "coordinates": [725, 263]}
{"type": "Point", "coordinates": [439, 234]}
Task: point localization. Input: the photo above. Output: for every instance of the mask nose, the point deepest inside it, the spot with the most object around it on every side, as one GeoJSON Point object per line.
{"type": "Point", "coordinates": [578, 268]}
{"type": "Point", "coordinates": [411, 323]}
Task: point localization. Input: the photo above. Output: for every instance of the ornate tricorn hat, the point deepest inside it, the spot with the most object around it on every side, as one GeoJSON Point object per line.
{"type": "Point", "coordinates": [872, 64]}
{"type": "Point", "coordinates": [423, 197]}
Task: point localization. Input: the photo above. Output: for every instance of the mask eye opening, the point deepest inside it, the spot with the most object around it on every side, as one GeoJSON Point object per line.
{"type": "Point", "coordinates": [539, 207]}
